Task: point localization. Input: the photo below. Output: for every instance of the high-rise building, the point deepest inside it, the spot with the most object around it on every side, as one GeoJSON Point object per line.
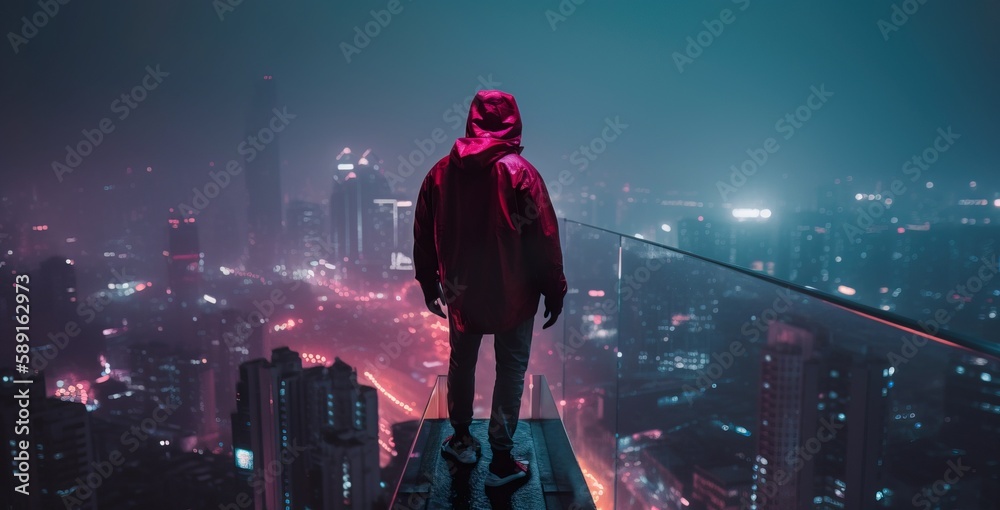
{"type": "Point", "coordinates": [306, 236]}
{"type": "Point", "coordinates": [342, 420]}
{"type": "Point", "coordinates": [184, 277]}
{"type": "Point", "coordinates": [54, 296]}
{"type": "Point", "coordinates": [55, 288]}
{"type": "Point", "coordinates": [361, 232]}
{"type": "Point", "coordinates": [174, 379]}
{"type": "Point", "coordinates": [60, 445]}
{"type": "Point", "coordinates": [184, 266]}
{"type": "Point", "coordinates": [228, 340]}
{"type": "Point", "coordinates": [789, 382]}
{"type": "Point", "coordinates": [823, 419]}
{"type": "Point", "coordinates": [254, 445]}
{"type": "Point", "coordinates": [853, 402]}
{"type": "Point", "coordinates": [262, 171]}
{"type": "Point", "coordinates": [720, 488]}
{"type": "Point", "coordinates": [973, 403]}
{"type": "Point", "coordinates": [317, 428]}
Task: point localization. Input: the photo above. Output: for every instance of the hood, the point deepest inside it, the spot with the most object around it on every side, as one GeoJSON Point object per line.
{"type": "Point", "coordinates": [492, 131]}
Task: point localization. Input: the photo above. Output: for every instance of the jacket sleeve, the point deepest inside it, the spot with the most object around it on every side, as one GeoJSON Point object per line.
{"type": "Point", "coordinates": [541, 236]}
{"type": "Point", "coordinates": [425, 256]}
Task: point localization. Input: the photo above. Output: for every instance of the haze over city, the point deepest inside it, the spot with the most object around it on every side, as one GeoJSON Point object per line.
{"type": "Point", "coordinates": [770, 213]}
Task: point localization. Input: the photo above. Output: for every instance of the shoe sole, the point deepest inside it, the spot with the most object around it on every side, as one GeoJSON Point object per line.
{"type": "Point", "coordinates": [493, 481]}
{"type": "Point", "coordinates": [450, 452]}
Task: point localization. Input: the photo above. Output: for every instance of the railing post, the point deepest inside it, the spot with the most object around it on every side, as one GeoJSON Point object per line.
{"type": "Point", "coordinates": [442, 397]}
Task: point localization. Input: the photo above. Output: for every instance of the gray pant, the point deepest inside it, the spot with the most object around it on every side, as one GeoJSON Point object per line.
{"type": "Point", "coordinates": [512, 350]}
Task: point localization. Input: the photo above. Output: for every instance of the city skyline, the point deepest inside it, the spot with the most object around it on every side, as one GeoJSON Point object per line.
{"type": "Point", "coordinates": [780, 228]}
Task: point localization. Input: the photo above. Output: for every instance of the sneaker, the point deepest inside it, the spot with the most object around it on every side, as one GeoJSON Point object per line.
{"type": "Point", "coordinates": [499, 476]}
{"type": "Point", "coordinates": [461, 451]}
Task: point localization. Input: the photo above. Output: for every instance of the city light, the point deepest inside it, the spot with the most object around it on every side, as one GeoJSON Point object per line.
{"type": "Point", "coordinates": [684, 371]}
{"type": "Point", "coordinates": [388, 395]}
{"type": "Point", "coordinates": [751, 213]}
{"type": "Point", "coordinates": [847, 291]}
{"type": "Point", "coordinates": [244, 459]}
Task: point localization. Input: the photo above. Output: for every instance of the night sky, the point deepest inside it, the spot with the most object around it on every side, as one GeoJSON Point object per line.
{"type": "Point", "coordinates": [604, 60]}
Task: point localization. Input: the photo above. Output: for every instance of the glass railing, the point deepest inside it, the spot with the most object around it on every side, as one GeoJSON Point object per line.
{"type": "Point", "coordinates": [691, 384]}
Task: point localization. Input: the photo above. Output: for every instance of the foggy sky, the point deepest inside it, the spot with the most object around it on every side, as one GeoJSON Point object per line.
{"type": "Point", "coordinates": [605, 60]}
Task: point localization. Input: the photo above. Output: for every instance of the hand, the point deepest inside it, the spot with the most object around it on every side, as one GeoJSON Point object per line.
{"type": "Point", "coordinates": [552, 320]}
{"type": "Point", "coordinates": [435, 308]}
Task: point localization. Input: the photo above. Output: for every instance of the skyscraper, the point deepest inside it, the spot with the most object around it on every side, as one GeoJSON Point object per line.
{"type": "Point", "coordinates": [60, 445]}
{"type": "Point", "coordinates": [823, 419]}
{"type": "Point", "coordinates": [184, 274]}
{"type": "Point", "coordinates": [183, 261]}
{"type": "Point", "coordinates": [317, 429]}
{"type": "Point", "coordinates": [306, 238]}
{"type": "Point", "coordinates": [342, 420]}
{"type": "Point", "coordinates": [361, 235]}
{"type": "Point", "coordinates": [228, 340]}
{"type": "Point", "coordinates": [262, 172]}
{"type": "Point", "coordinates": [789, 384]}
{"type": "Point", "coordinates": [56, 288]}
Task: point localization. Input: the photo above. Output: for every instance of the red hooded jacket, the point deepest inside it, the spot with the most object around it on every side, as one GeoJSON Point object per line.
{"type": "Point", "coordinates": [485, 228]}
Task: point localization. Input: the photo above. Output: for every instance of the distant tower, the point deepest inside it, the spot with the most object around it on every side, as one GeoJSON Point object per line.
{"type": "Point", "coordinates": [54, 297]}
{"type": "Point", "coordinates": [184, 266]}
{"type": "Point", "coordinates": [56, 288]}
{"type": "Point", "coordinates": [306, 239]}
{"type": "Point", "coordinates": [184, 271]}
{"type": "Point", "coordinates": [263, 178]}
{"type": "Point", "coordinates": [361, 232]}
{"type": "Point", "coordinates": [228, 341]}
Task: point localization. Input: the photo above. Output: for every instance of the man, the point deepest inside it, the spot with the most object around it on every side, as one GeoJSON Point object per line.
{"type": "Point", "coordinates": [486, 242]}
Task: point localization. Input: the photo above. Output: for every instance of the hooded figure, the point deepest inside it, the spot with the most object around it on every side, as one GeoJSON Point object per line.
{"type": "Point", "coordinates": [485, 228]}
{"type": "Point", "coordinates": [486, 242]}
